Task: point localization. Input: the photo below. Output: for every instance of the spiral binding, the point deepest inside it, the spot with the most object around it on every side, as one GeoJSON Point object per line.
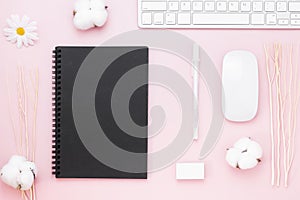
{"type": "Point", "coordinates": [56, 110]}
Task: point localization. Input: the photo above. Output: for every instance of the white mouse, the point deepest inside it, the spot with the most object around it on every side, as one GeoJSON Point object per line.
{"type": "Point", "coordinates": [240, 86]}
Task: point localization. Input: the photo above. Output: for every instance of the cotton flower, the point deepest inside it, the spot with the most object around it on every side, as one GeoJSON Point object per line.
{"type": "Point", "coordinates": [9, 175]}
{"type": "Point", "coordinates": [21, 31]}
{"type": "Point", "coordinates": [89, 14]}
{"type": "Point", "coordinates": [17, 160]}
{"type": "Point", "coordinates": [19, 173]}
{"type": "Point", "coordinates": [30, 167]}
{"type": "Point", "coordinates": [25, 180]}
{"type": "Point", "coordinates": [245, 154]}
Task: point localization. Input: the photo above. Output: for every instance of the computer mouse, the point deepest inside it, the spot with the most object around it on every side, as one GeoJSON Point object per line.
{"type": "Point", "coordinates": [240, 86]}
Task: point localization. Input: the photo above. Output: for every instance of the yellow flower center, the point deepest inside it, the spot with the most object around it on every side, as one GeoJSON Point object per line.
{"type": "Point", "coordinates": [20, 31]}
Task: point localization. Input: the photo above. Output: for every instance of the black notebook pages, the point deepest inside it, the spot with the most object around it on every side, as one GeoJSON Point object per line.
{"type": "Point", "coordinates": [100, 112]}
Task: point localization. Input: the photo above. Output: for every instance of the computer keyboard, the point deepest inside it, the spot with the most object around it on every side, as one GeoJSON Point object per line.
{"type": "Point", "coordinates": [255, 14]}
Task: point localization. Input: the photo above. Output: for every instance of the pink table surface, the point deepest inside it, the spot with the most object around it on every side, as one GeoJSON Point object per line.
{"type": "Point", "coordinates": [222, 182]}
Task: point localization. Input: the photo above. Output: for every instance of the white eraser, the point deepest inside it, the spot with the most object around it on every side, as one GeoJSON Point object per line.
{"type": "Point", "coordinates": [190, 171]}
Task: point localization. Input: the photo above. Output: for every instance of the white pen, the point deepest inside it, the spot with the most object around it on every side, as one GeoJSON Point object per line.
{"type": "Point", "coordinates": [195, 68]}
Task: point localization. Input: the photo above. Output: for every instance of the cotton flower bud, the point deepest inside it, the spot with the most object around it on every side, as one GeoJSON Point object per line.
{"type": "Point", "coordinates": [247, 161]}
{"type": "Point", "coordinates": [89, 14]}
{"type": "Point", "coordinates": [245, 154]}
{"type": "Point", "coordinates": [9, 175]}
{"type": "Point", "coordinates": [19, 173]}
{"type": "Point", "coordinates": [255, 150]}
{"type": "Point", "coordinates": [99, 18]}
{"type": "Point", "coordinates": [29, 166]}
{"type": "Point", "coordinates": [232, 156]}
{"type": "Point", "coordinates": [16, 160]}
{"type": "Point", "coordinates": [25, 180]}
{"type": "Point", "coordinates": [242, 143]}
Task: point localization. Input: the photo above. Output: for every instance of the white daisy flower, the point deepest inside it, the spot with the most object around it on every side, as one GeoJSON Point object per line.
{"type": "Point", "coordinates": [21, 31]}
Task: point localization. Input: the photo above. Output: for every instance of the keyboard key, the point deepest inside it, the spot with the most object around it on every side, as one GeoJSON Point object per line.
{"type": "Point", "coordinates": [147, 18]}
{"type": "Point", "coordinates": [233, 6]}
{"type": "Point", "coordinates": [271, 19]}
{"type": "Point", "coordinates": [245, 6]}
{"type": "Point", "coordinates": [295, 22]}
{"type": "Point", "coordinates": [221, 6]}
{"type": "Point", "coordinates": [295, 16]}
{"type": "Point", "coordinates": [158, 18]}
{"type": "Point", "coordinates": [257, 6]}
{"type": "Point", "coordinates": [281, 6]}
{"type": "Point", "coordinates": [283, 21]}
{"type": "Point", "coordinates": [184, 18]}
{"type": "Point", "coordinates": [185, 6]}
{"type": "Point", "coordinates": [171, 18]}
{"type": "Point", "coordinates": [220, 19]}
{"type": "Point", "coordinates": [270, 6]}
{"type": "Point", "coordinates": [173, 6]}
{"type": "Point", "coordinates": [294, 6]}
{"type": "Point", "coordinates": [197, 6]}
{"type": "Point", "coordinates": [209, 6]}
{"type": "Point", "coordinates": [160, 6]}
{"type": "Point", "coordinates": [258, 19]}
{"type": "Point", "coordinates": [283, 15]}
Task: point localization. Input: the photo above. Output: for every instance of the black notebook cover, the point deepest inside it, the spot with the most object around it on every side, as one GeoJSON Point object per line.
{"type": "Point", "coordinates": [75, 73]}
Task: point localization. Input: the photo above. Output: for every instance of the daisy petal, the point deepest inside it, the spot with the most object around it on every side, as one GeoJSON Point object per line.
{"type": "Point", "coordinates": [9, 34]}
{"type": "Point", "coordinates": [30, 42]}
{"type": "Point", "coordinates": [9, 30]}
{"type": "Point", "coordinates": [12, 38]}
{"type": "Point", "coordinates": [19, 42]}
{"type": "Point", "coordinates": [31, 28]}
{"type": "Point", "coordinates": [32, 36]}
{"type": "Point", "coordinates": [25, 41]}
{"type": "Point", "coordinates": [13, 41]}
{"type": "Point", "coordinates": [11, 23]}
{"type": "Point", "coordinates": [25, 21]}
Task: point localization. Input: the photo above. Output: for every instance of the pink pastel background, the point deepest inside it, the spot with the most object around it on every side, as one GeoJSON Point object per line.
{"type": "Point", "coordinates": [222, 182]}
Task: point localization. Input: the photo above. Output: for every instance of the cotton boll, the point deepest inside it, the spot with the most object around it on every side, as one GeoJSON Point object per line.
{"type": "Point", "coordinates": [255, 149]}
{"type": "Point", "coordinates": [83, 20]}
{"type": "Point", "coordinates": [9, 175]}
{"type": "Point", "coordinates": [247, 161]}
{"type": "Point", "coordinates": [245, 154]}
{"type": "Point", "coordinates": [97, 5]}
{"type": "Point", "coordinates": [25, 180]}
{"type": "Point", "coordinates": [16, 160]}
{"type": "Point", "coordinates": [100, 17]}
{"type": "Point", "coordinates": [89, 14]}
{"type": "Point", "coordinates": [242, 144]}
{"type": "Point", "coordinates": [82, 5]}
{"type": "Point", "coordinates": [232, 157]}
{"type": "Point", "coordinates": [29, 166]}
{"type": "Point", "coordinates": [19, 173]}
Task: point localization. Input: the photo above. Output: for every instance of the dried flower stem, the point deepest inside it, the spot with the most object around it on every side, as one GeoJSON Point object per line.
{"type": "Point", "coordinates": [279, 108]}
{"type": "Point", "coordinates": [27, 131]}
{"type": "Point", "coordinates": [24, 88]}
{"type": "Point", "coordinates": [294, 101]}
{"type": "Point", "coordinates": [270, 81]}
{"type": "Point", "coordinates": [35, 104]}
{"type": "Point", "coordinates": [24, 195]}
{"type": "Point", "coordinates": [287, 94]}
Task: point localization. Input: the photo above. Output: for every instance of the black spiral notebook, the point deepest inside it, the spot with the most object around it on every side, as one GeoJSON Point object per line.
{"type": "Point", "coordinates": [100, 112]}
